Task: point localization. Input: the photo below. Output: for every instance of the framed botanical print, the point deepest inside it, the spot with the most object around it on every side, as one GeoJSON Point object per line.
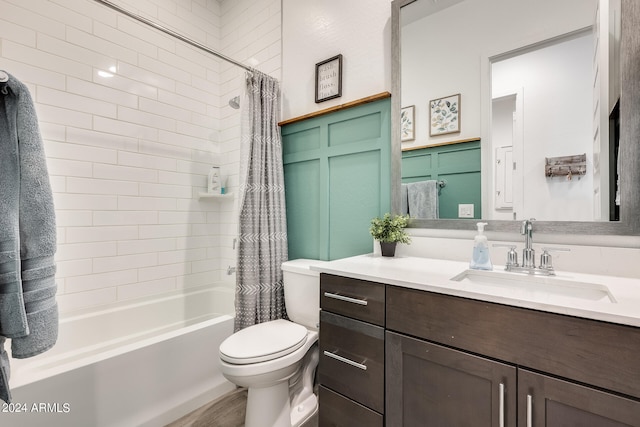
{"type": "Point", "coordinates": [444, 115]}
{"type": "Point", "coordinates": [407, 123]}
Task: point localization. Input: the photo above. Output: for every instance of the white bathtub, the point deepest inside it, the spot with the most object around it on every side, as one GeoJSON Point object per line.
{"type": "Point", "coordinates": [144, 363]}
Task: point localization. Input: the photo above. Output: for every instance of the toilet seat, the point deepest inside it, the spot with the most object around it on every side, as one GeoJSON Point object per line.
{"type": "Point", "coordinates": [263, 342]}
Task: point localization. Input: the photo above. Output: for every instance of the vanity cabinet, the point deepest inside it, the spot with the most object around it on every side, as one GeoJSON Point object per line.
{"type": "Point", "coordinates": [448, 387]}
{"type": "Point", "coordinates": [441, 360]}
{"type": "Point", "coordinates": [351, 367]}
{"type": "Point", "coordinates": [451, 359]}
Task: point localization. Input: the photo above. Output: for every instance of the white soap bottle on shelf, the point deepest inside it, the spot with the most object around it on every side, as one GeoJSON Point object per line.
{"type": "Point", "coordinates": [213, 180]}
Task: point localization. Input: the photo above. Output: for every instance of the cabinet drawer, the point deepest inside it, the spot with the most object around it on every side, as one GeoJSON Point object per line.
{"type": "Point", "coordinates": [352, 359]}
{"type": "Point", "coordinates": [336, 410]}
{"type": "Point", "coordinates": [354, 298]}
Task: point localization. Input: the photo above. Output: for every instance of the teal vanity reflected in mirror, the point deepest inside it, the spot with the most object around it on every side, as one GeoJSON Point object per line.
{"type": "Point", "coordinates": [541, 141]}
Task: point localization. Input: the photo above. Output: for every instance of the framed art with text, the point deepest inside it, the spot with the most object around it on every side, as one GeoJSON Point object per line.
{"type": "Point", "coordinates": [329, 79]}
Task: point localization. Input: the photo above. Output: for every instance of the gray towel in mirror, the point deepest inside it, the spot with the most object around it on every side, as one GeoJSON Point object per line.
{"type": "Point", "coordinates": [423, 199]}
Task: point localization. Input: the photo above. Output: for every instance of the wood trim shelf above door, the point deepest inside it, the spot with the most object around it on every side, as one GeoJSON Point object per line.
{"type": "Point", "coordinates": [335, 108]}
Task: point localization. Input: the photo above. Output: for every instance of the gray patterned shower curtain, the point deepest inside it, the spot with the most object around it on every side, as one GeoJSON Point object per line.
{"type": "Point", "coordinates": [263, 225]}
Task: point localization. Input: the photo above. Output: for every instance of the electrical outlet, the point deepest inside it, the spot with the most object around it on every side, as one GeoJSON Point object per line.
{"type": "Point", "coordinates": [465, 211]}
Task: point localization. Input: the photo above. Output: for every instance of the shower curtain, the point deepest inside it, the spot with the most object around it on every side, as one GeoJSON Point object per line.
{"type": "Point", "coordinates": [263, 226]}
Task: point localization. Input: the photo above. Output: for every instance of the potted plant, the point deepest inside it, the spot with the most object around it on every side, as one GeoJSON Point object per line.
{"type": "Point", "coordinates": [389, 231]}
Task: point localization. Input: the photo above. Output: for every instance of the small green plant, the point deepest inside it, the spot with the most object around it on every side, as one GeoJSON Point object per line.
{"type": "Point", "coordinates": [390, 228]}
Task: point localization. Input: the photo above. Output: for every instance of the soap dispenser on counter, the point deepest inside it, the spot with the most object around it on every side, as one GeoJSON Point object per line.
{"type": "Point", "coordinates": [480, 259]}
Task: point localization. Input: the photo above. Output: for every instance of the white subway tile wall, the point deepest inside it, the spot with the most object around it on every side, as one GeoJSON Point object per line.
{"type": "Point", "coordinates": [132, 121]}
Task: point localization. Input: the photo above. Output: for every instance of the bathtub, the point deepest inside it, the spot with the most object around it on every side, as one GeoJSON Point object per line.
{"type": "Point", "coordinates": [142, 363]}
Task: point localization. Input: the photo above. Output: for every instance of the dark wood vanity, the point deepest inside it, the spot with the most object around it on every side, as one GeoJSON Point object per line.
{"type": "Point", "coordinates": [393, 356]}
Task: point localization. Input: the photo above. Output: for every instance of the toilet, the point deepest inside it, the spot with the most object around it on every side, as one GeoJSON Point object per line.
{"type": "Point", "coordinates": [276, 361]}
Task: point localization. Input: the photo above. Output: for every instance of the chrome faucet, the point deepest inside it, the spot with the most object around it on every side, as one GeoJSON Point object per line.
{"type": "Point", "coordinates": [528, 253]}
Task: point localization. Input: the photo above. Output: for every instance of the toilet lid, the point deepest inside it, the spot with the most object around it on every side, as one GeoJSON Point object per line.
{"type": "Point", "coordinates": [262, 342]}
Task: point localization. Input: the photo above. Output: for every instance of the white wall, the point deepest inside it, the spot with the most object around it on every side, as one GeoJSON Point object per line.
{"type": "Point", "coordinates": [314, 31]}
{"type": "Point", "coordinates": [442, 54]}
{"type": "Point", "coordinates": [128, 154]}
{"type": "Point", "coordinates": [557, 84]}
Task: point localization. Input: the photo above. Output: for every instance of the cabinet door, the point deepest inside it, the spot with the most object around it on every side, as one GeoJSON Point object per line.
{"type": "Point", "coordinates": [550, 402]}
{"type": "Point", "coordinates": [432, 385]}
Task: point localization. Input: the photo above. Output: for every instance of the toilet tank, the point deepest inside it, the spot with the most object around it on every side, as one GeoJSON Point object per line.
{"type": "Point", "coordinates": [302, 291]}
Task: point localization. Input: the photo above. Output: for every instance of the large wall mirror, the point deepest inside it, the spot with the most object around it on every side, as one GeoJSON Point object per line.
{"type": "Point", "coordinates": [518, 110]}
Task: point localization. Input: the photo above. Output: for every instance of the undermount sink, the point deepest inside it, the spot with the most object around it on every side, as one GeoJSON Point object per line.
{"type": "Point", "coordinates": [538, 288]}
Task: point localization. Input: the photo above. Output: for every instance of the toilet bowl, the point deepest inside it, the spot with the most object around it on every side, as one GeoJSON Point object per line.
{"type": "Point", "coordinates": [276, 360]}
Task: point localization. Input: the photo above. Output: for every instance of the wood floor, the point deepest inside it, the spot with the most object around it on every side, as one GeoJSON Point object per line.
{"type": "Point", "coordinates": [227, 411]}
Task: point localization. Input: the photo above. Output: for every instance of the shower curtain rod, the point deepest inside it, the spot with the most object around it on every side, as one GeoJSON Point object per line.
{"type": "Point", "coordinates": [174, 34]}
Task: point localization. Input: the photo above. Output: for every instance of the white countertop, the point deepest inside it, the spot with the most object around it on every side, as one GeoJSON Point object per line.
{"type": "Point", "coordinates": [435, 275]}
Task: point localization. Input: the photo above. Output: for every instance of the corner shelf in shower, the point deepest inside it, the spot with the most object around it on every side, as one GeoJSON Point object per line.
{"type": "Point", "coordinates": [204, 195]}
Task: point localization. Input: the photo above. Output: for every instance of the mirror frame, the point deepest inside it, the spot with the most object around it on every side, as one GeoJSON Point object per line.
{"type": "Point", "coordinates": [629, 223]}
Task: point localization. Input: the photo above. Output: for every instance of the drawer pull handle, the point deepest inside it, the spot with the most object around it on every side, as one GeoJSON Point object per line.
{"type": "Point", "coordinates": [501, 391]}
{"type": "Point", "coordinates": [347, 299]}
{"type": "Point", "coordinates": [345, 360]}
{"type": "Point", "coordinates": [529, 410]}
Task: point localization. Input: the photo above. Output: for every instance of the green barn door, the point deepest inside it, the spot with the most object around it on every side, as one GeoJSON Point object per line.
{"type": "Point", "coordinates": [337, 177]}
